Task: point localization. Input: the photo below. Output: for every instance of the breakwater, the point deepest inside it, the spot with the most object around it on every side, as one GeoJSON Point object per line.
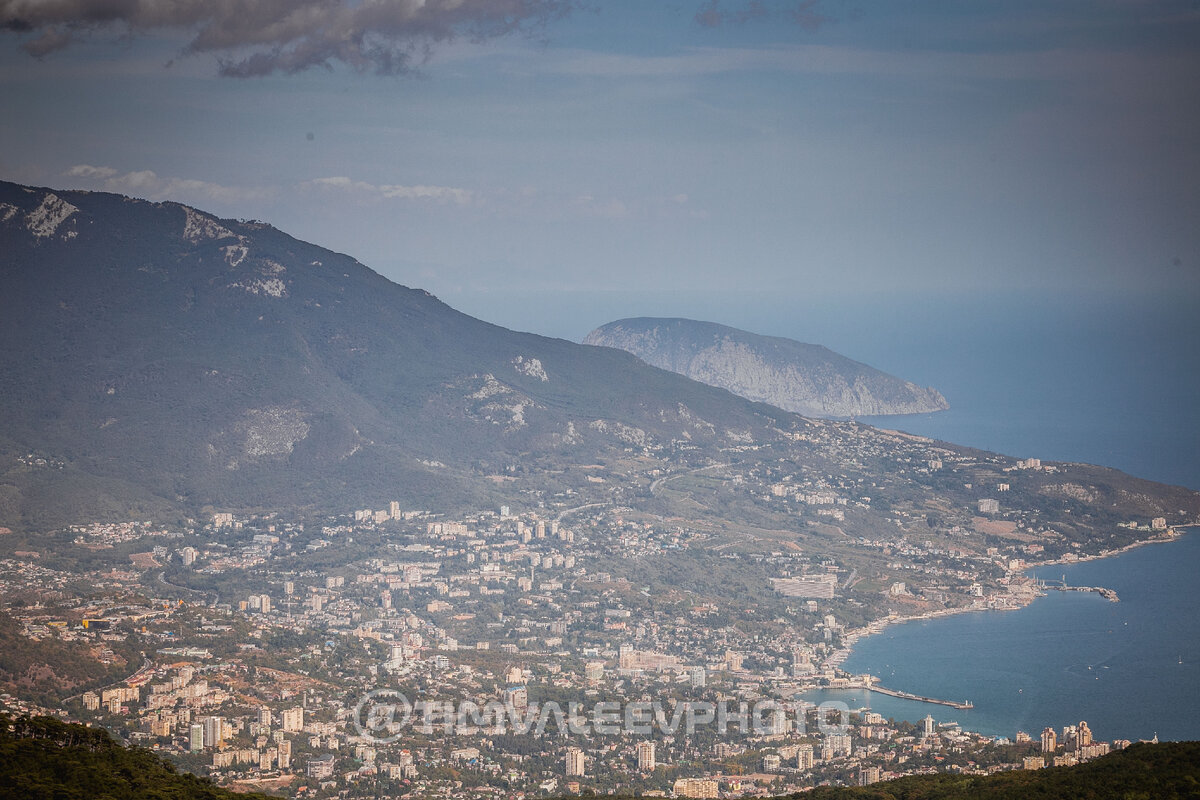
{"type": "Point", "coordinates": [874, 687]}
{"type": "Point", "coordinates": [1062, 586]}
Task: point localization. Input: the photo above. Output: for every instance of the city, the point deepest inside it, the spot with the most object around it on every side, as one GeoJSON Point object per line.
{"type": "Point", "coordinates": [455, 656]}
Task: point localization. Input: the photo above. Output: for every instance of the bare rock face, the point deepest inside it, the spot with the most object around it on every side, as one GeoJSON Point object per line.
{"type": "Point", "coordinates": [804, 378]}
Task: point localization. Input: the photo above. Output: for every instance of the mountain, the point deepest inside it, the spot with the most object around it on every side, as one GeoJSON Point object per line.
{"type": "Point", "coordinates": [805, 378]}
{"type": "Point", "coordinates": [155, 359]}
{"type": "Point", "coordinates": [159, 363]}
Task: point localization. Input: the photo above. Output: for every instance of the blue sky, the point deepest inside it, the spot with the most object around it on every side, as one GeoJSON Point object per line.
{"type": "Point", "coordinates": [687, 154]}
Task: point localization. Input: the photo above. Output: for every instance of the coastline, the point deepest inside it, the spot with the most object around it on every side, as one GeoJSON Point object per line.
{"type": "Point", "coordinates": [1171, 534]}
{"type": "Point", "coordinates": [1012, 602]}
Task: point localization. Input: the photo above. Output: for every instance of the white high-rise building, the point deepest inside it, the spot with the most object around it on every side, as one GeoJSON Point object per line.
{"type": "Point", "coordinates": [292, 719]}
{"type": "Point", "coordinates": [214, 731]}
{"type": "Point", "coordinates": [840, 743]}
{"type": "Point", "coordinates": [801, 663]}
{"type": "Point", "coordinates": [1083, 735]}
{"type": "Point", "coordinates": [646, 756]}
{"type": "Point", "coordinates": [576, 762]}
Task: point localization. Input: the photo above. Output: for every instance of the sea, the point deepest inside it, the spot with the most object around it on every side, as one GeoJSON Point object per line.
{"type": "Point", "coordinates": [1111, 381]}
{"type": "Point", "coordinates": [1129, 668]}
{"type": "Point", "coordinates": [1073, 375]}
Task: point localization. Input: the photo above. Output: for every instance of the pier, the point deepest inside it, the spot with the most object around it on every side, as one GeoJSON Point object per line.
{"type": "Point", "coordinates": [1063, 586]}
{"type": "Point", "coordinates": [868, 682]}
{"type": "Point", "coordinates": [874, 687]}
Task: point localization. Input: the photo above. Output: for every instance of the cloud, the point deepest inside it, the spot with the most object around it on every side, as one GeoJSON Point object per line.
{"type": "Point", "coordinates": [148, 184]}
{"type": "Point", "coordinates": [594, 207]}
{"type": "Point", "coordinates": [1081, 66]}
{"type": "Point", "coordinates": [712, 15]}
{"type": "Point", "coordinates": [260, 37]}
{"type": "Point", "coordinates": [50, 40]}
{"type": "Point", "coordinates": [141, 182]}
{"type": "Point", "coordinates": [441, 194]}
{"type": "Point", "coordinates": [804, 13]}
{"type": "Point", "coordinates": [88, 171]}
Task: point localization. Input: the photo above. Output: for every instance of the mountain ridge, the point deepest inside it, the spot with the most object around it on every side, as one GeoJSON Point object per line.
{"type": "Point", "coordinates": [158, 362]}
{"type": "Point", "coordinates": [808, 379]}
{"type": "Point", "coordinates": [173, 359]}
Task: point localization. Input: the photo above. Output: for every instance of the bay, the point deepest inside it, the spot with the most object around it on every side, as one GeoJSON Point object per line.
{"type": "Point", "coordinates": [1129, 668]}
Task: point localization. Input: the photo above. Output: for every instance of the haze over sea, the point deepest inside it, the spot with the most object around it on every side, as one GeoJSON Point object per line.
{"type": "Point", "coordinates": [1107, 381]}
{"type": "Point", "coordinates": [1113, 382]}
{"type": "Point", "coordinates": [1099, 378]}
{"type": "Point", "coordinates": [1075, 377]}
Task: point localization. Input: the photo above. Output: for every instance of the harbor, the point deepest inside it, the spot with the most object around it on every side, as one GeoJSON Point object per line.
{"type": "Point", "coordinates": [874, 687]}
{"type": "Point", "coordinates": [1063, 586]}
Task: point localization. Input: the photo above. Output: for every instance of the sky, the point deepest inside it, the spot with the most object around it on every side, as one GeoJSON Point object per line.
{"type": "Point", "coordinates": [550, 164]}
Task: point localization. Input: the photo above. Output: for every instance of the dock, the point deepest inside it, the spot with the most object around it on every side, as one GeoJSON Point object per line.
{"type": "Point", "coordinates": [874, 687]}
{"type": "Point", "coordinates": [1062, 586]}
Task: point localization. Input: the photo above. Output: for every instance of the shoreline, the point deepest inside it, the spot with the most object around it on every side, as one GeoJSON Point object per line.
{"type": "Point", "coordinates": [1018, 601]}
{"type": "Point", "coordinates": [1171, 534]}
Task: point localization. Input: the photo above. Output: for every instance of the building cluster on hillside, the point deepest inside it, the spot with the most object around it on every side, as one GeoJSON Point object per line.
{"type": "Point", "coordinates": [264, 639]}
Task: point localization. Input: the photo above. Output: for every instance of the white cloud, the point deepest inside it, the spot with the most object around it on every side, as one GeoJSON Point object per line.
{"type": "Point", "coordinates": [215, 191]}
{"type": "Point", "coordinates": [342, 182]}
{"type": "Point", "coordinates": [148, 184]}
{"type": "Point", "coordinates": [822, 59]}
{"type": "Point", "coordinates": [441, 194]}
{"type": "Point", "coordinates": [141, 181]}
{"type": "Point", "coordinates": [499, 202]}
{"type": "Point", "coordinates": [610, 208]}
{"type": "Point", "coordinates": [88, 171]}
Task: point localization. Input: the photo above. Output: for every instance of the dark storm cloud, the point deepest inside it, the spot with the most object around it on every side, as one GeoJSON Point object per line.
{"type": "Point", "coordinates": [259, 37]}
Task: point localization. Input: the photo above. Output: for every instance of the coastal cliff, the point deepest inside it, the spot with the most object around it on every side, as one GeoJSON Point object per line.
{"type": "Point", "coordinates": [804, 378]}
